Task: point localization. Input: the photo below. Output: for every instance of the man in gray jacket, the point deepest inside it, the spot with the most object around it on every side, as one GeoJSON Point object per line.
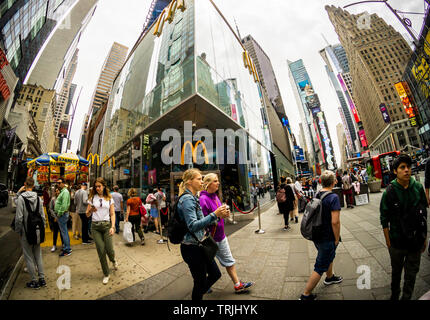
{"type": "Point", "coordinates": [81, 202]}
{"type": "Point", "coordinates": [32, 252]}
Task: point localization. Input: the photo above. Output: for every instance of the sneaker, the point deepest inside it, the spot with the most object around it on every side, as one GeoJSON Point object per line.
{"type": "Point", "coordinates": [33, 285]}
{"type": "Point", "coordinates": [334, 279]}
{"type": "Point", "coordinates": [53, 249]}
{"type": "Point", "coordinates": [287, 228]}
{"type": "Point", "coordinates": [86, 242]}
{"type": "Point", "coordinates": [105, 280]}
{"type": "Point", "coordinates": [297, 219]}
{"type": "Point", "coordinates": [292, 219]}
{"type": "Point", "coordinates": [142, 243]}
{"type": "Point", "coordinates": [115, 265]}
{"type": "Point", "coordinates": [42, 283]}
{"type": "Point", "coordinates": [309, 297]}
{"type": "Point", "coordinates": [243, 286]}
{"type": "Point", "coordinates": [65, 253]}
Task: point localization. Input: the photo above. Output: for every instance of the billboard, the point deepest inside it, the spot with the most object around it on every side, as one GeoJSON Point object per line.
{"type": "Point", "coordinates": [421, 67]}
{"type": "Point", "coordinates": [313, 103]}
{"type": "Point", "coordinates": [326, 141]}
{"type": "Point", "coordinates": [363, 138]}
{"type": "Point", "coordinates": [409, 109]}
{"type": "Point", "coordinates": [384, 112]}
{"type": "Point", "coordinates": [348, 97]}
{"type": "Point", "coordinates": [64, 128]}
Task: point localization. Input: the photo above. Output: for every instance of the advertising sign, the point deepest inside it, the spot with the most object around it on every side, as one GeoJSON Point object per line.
{"type": "Point", "coordinates": [64, 128]}
{"type": "Point", "coordinates": [233, 112]}
{"type": "Point", "coordinates": [326, 142]}
{"type": "Point", "coordinates": [152, 177]}
{"type": "Point", "coordinates": [348, 97]}
{"type": "Point", "coordinates": [4, 88]}
{"type": "Point", "coordinates": [363, 138]}
{"type": "Point", "coordinates": [384, 112]}
{"type": "Point", "coordinates": [313, 103]}
{"type": "Point", "coordinates": [400, 87]}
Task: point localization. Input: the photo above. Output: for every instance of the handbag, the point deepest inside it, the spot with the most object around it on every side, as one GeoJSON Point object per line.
{"type": "Point", "coordinates": [208, 246]}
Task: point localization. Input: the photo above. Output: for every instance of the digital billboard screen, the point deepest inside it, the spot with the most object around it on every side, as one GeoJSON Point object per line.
{"type": "Point", "coordinates": [384, 112]}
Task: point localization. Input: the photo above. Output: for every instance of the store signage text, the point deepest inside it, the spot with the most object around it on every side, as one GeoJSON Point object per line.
{"type": "Point", "coordinates": [203, 151]}
{"type": "Point", "coordinates": [4, 88]}
{"type": "Point", "coordinates": [249, 64]}
{"type": "Point", "coordinates": [167, 15]}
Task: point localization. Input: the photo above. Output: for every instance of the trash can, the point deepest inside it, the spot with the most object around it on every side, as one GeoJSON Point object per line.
{"type": "Point", "coordinates": [339, 193]}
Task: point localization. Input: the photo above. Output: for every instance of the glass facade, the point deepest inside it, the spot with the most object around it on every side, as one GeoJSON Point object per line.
{"type": "Point", "coordinates": [196, 58]}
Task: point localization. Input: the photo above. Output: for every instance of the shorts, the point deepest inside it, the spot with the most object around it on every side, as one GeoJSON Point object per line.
{"type": "Point", "coordinates": [326, 254]}
{"type": "Point", "coordinates": [224, 255]}
{"type": "Point", "coordinates": [154, 212]}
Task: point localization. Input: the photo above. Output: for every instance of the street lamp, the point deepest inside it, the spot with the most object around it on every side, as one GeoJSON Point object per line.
{"type": "Point", "coordinates": [405, 22]}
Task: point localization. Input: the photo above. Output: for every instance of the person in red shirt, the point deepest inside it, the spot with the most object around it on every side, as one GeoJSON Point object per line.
{"type": "Point", "coordinates": [133, 214]}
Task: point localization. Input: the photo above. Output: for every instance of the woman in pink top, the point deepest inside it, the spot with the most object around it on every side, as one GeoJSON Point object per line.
{"type": "Point", "coordinates": [209, 201]}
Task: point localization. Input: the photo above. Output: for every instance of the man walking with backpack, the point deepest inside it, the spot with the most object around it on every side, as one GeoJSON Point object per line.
{"type": "Point", "coordinates": [326, 236]}
{"type": "Point", "coordinates": [30, 224]}
{"type": "Point", "coordinates": [62, 210]}
{"type": "Point", "coordinates": [403, 217]}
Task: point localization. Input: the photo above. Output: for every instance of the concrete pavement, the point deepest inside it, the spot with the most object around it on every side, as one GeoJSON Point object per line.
{"type": "Point", "coordinates": [278, 261]}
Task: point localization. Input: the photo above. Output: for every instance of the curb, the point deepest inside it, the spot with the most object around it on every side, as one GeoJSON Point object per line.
{"type": "Point", "coordinates": [12, 278]}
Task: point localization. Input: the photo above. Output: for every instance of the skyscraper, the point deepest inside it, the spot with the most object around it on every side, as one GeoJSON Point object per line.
{"type": "Point", "coordinates": [112, 64]}
{"type": "Point", "coordinates": [317, 136]}
{"type": "Point", "coordinates": [279, 124]}
{"type": "Point", "coordinates": [337, 68]}
{"type": "Point", "coordinates": [377, 57]}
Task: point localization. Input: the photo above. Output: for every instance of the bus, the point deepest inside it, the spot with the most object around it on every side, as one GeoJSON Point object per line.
{"type": "Point", "coordinates": [382, 166]}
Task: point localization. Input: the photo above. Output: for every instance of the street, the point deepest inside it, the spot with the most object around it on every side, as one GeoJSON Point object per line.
{"type": "Point", "coordinates": [278, 261]}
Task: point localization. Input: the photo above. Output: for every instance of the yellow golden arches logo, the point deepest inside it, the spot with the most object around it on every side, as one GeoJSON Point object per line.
{"type": "Point", "coordinates": [249, 64]}
{"type": "Point", "coordinates": [109, 161]}
{"type": "Point", "coordinates": [170, 11]}
{"type": "Point", "coordinates": [92, 157]}
{"type": "Point", "coordinates": [194, 151]}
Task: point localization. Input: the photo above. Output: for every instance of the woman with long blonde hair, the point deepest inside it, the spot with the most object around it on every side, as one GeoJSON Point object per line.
{"type": "Point", "coordinates": [209, 201]}
{"type": "Point", "coordinates": [205, 273]}
{"type": "Point", "coordinates": [102, 208]}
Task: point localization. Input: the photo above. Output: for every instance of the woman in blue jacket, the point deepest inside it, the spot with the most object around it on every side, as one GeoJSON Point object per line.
{"type": "Point", "coordinates": [204, 273]}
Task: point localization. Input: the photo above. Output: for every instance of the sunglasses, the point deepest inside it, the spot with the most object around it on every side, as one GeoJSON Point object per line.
{"type": "Point", "coordinates": [101, 202]}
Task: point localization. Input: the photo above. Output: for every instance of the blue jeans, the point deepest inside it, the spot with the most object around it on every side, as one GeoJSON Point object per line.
{"type": "Point", "coordinates": [62, 223]}
{"type": "Point", "coordinates": [117, 216]}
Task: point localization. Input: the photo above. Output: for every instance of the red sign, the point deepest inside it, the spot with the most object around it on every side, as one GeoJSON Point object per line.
{"type": "Point", "coordinates": [4, 89]}
{"type": "Point", "coordinates": [363, 138]}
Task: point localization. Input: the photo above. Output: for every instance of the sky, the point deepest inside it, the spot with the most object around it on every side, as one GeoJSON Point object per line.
{"type": "Point", "coordinates": [285, 29]}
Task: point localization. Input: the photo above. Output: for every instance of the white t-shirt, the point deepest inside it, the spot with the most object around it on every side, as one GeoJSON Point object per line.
{"type": "Point", "coordinates": [102, 213]}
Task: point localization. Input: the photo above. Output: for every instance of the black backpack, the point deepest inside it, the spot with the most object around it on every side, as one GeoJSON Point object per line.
{"type": "Point", "coordinates": [176, 227]}
{"type": "Point", "coordinates": [413, 221]}
{"type": "Point", "coordinates": [312, 218]}
{"type": "Point", "coordinates": [35, 230]}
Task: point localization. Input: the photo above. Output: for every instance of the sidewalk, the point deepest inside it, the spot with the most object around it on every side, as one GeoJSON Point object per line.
{"type": "Point", "coordinates": [280, 263]}
{"type": "Point", "coordinates": [136, 264]}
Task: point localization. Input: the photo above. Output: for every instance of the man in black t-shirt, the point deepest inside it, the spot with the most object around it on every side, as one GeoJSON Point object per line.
{"type": "Point", "coordinates": [326, 238]}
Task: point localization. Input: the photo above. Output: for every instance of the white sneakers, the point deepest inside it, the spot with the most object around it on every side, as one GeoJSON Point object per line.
{"type": "Point", "coordinates": [53, 248]}
{"type": "Point", "coordinates": [105, 280]}
{"type": "Point", "coordinates": [115, 265]}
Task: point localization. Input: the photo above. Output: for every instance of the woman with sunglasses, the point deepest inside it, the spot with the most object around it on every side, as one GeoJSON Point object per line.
{"type": "Point", "coordinates": [102, 208]}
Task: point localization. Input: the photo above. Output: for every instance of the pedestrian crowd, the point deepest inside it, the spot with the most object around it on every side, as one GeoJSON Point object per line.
{"type": "Point", "coordinates": [201, 213]}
